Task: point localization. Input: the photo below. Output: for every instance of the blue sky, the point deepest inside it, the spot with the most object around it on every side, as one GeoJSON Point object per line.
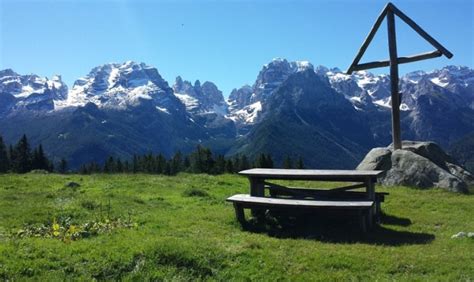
{"type": "Point", "coordinates": [226, 42]}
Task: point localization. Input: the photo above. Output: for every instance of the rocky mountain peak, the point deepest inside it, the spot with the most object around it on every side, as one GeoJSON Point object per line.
{"type": "Point", "coordinates": [7, 72]}
{"type": "Point", "coordinates": [30, 92]}
{"type": "Point", "coordinates": [197, 84]}
{"type": "Point", "coordinates": [200, 99]}
{"type": "Point", "coordinates": [273, 74]}
{"type": "Point", "coordinates": [120, 85]}
{"type": "Point", "coordinates": [239, 98]}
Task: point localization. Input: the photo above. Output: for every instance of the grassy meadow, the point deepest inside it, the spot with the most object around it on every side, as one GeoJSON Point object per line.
{"type": "Point", "coordinates": [147, 227]}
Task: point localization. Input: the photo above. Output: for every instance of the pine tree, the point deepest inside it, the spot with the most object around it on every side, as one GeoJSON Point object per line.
{"type": "Point", "coordinates": [176, 163]}
{"type": "Point", "coordinates": [50, 166]}
{"type": "Point", "coordinates": [62, 166]}
{"type": "Point", "coordinates": [126, 166]}
{"type": "Point", "coordinates": [160, 164]}
{"type": "Point", "coordinates": [237, 163]}
{"type": "Point", "coordinates": [83, 169]}
{"type": "Point", "coordinates": [21, 162]}
{"type": "Point", "coordinates": [197, 160]}
{"type": "Point", "coordinates": [110, 165]}
{"type": "Point", "coordinates": [201, 160]}
{"type": "Point", "coordinates": [35, 159]}
{"type": "Point", "coordinates": [186, 164]}
{"type": "Point", "coordinates": [269, 163]}
{"type": "Point", "coordinates": [11, 155]}
{"type": "Point", "coordinates": [39, 160]}
{"type": "Point", "coordinates": [119, 166]}
{"type": "Point", "coordinates": [4, 160]}
{"type": "Point", "coordinates": [229, 166]}
{"type": "Point", "coordinates": [94, 168]}
{"type": "Point", "coordinates": [300, 164]}
{"type": "Point", "coordinates": [244, 163]}
{"type": "Point", "coordinates": [209, 161]}
{"type": "Point", "coordinates": [287, 162]}
{"type": "Point", "coordinates": [261, 161]}
{"type": "Point", "coordinates": [135, 167]}
{"type": "Point", "coordinates": [167, 168]}
{"type": "Point", "coordinates": [43, 160]}
{"type": "Point", "coordinates": [219, 167]}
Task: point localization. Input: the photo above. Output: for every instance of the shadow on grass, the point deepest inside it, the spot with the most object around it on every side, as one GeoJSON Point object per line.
{"type": "Point", "coordinates": [394, 220]}
{"type": "Point", "coordinates": [336, 229]}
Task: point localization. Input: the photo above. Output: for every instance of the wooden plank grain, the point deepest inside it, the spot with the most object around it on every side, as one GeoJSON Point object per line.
{"type": "Point", "coordinates": [392, 46]}
{"type": "Point", "coordinates": [311, 174]}
{"type": "Point", "coordinates": [245, 199]}
{"type": "Point", "coordinates": [400, 60]}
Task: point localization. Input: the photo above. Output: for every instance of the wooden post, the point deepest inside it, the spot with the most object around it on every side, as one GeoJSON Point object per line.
{"type": "Point", "coordinates": [239, 214]}
{"type": "Point", "coordinates": [257, 189]}
{"type": "Point", "coordinates": [392, 46]}
{"type": "Point", "coordinates": [389, 12]}
{"type": "Point", "coordinates": [371, 196]}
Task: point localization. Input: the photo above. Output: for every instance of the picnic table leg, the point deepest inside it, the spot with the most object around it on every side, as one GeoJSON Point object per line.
{"type": "Point", "coordinates": [239, 213]}
{"type": "Point", "coordinates": [378, 210]}
{"type": "Point", "coordinates": [371, 196]}
{"type": "Point", "coordinates": [257, 189]}
{"type": "Point", "coordinates": [363, 221]}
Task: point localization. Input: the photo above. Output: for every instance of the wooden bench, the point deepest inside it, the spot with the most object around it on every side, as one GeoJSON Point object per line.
{"type": "Point", "coordinates": [323, 194]}
{"type": "Point", "coordinates": [242, 201]}
{"type": "Point", "coordinates": [259, 181]}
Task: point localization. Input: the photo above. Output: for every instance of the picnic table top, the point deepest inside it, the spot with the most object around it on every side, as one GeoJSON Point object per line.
{"type": "Point", "coordinates": [311, 174]}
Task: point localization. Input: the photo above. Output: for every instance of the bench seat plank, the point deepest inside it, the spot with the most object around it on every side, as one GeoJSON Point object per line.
{"type": "Point", "coordinates": [312, 174]}
{"type": "Point", "coordinates": [323, 193]}
{"type": "Point", "coordinates": [248, 200]}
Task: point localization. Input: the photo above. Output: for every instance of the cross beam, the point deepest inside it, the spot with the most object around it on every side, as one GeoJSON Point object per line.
{"type": "Point", "coordinates": [389, 12]}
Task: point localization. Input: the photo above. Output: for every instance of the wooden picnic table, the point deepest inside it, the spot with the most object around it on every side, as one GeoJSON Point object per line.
{"type": "Point", "coordinates": [259, 177]}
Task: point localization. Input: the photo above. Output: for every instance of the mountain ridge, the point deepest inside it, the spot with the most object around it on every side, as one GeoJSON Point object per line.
{"type": "Point", "coordinates": [194, 113]}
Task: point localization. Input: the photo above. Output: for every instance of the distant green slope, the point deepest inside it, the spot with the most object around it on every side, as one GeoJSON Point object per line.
{"type": "Point", "coordinates": [186, 231]}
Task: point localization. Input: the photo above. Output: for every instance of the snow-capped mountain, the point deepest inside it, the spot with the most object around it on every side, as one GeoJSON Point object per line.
{"type": "Point", "coordinates": [355, 87]}
{"type": "Point", "coordinates": [200, 99]}
{"type": "Point", "coordinates": [29, 92]}
{"type": "Point", "coordinates": [454, 79]}
{"type": "Point", "coordinates": [245, 103]}
{"type": "Point", "coordinates": [130, 106]}
{"type": "Point", "coordinates": [118, 86]}
{"type": "Point", "coordinates": [448, 92]}
{"type": "Point", "coordinates": [362, 84]}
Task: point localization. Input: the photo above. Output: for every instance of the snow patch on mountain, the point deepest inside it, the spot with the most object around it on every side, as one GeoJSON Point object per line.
{"type": "Point", "coordinates": [164, 110]}
{"type": "Point", "coordinates": [248, 114]}
{"type": "Point", "coordinates": [438, 81]}
{"type": "Point", "coordinates": [190, 102]}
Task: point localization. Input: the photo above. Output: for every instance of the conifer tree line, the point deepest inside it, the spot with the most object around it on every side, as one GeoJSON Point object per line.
{"type": "Point", "coordinates": [20, 158]}
{"type": "Point", "coordinates": [201, 160]}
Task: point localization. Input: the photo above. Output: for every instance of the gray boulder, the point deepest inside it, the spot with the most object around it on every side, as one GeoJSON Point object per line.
{"type": "Point", "coordinates": [461, 173]}
{"type": "Point", "coordinates": [377, 159]}
{"type": "Point", "coordinates": [429, 150]}
{"type": "Point", "coordinates": [420, 164]}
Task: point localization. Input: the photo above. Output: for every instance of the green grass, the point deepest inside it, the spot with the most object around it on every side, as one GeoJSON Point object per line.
{"type": "Point", "coordinates": [186, 231]}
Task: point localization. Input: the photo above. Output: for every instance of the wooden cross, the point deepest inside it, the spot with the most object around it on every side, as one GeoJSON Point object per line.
{"type": "Point", "coordinates": [389, 11]}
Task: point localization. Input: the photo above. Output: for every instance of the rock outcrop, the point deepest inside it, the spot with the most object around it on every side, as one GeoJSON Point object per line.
{"type": "Point", "coordinates": [420, 164]}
